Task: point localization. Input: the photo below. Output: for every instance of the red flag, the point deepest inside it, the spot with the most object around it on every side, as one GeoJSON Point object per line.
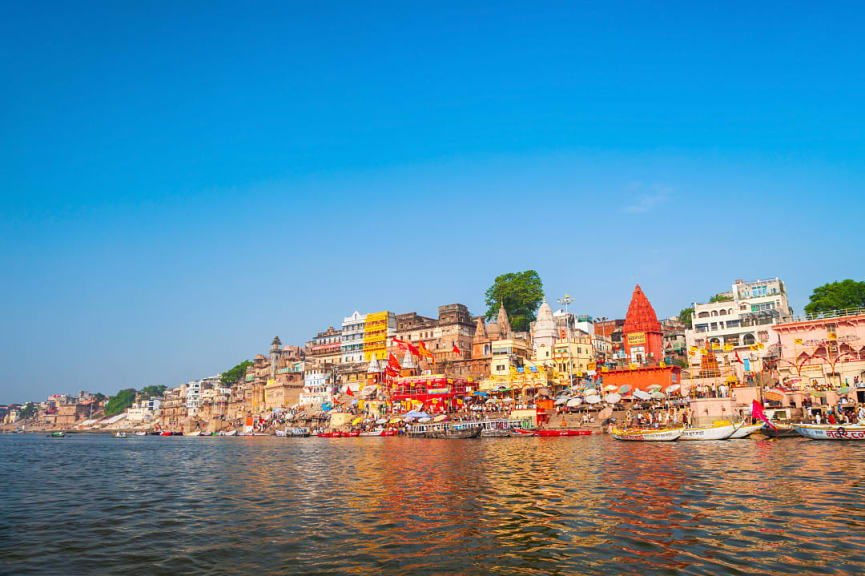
{"type": "Point", "coordinates": [423, 350]}
{"type": "Point", "coordinates": [348, 390]}
{"type": "Point", "coordinates": [456, 350]}
{"type": "Point", "coordinates": [757, 412]}
{"type": "Point", "coordinates": [739, 360]}
{"type": "Point", "coordinates": [392, 362]}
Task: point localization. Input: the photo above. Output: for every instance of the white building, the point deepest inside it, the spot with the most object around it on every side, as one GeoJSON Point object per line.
{"type": "Point", "coordinates": [544, 332]}
{"type": "Point", "coordinates": [352, 338]}
{"type": "Point", "coordinates": [742, 318]}
{"type": "Point", "coordinates": [317, 388]}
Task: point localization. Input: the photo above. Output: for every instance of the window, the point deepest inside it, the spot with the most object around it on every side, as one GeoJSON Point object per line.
{"type": "Point", "coordinates": [748, 339]}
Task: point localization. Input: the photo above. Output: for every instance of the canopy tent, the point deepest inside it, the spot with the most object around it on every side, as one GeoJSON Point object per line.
{"type": "Point", "coordinates": [484, 394]}
{"type": "Point", "coordinates": [642, 395]}
{"type": "Point", "coordinates": [561, 400]}
{"type": "Point", "coordinates": [672, 388]}
{"type": "Point", "coordinates": [573, 402]}
{"type": "Point", "coordinates": [593, 399]}
{"type": "Point", "coordinates": [658, 395]}
{"type": "Point", "coordinates": [610, 388]}
{"type": "Point", "coordinates": [612, 397]}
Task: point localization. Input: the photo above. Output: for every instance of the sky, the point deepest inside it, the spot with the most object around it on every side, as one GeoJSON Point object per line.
{"type": "Point", "coordinates": [181, 181]}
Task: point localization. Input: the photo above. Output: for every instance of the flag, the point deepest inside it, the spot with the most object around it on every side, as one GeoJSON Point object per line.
{"type": "Point", "coordinates": [832, 335]}
{"type": "Point", "coordinates": [348, 391]}
{"type": "Point", "coordinates": [739, 360]}
{"type": "Point", "coordinates": [797, 341]}
{"type": "Point", "coordinates": [392, 362]}
{"type": "Point", "coordinates": [761, 346]}
{"type": "Point", "coordinates": [757, 412]}
{"type": "Point", "coordinates": [753, 346]}
{"type": "Point", "coordinates": [423, 351]}
{"type": "Point", "coordinates": [456, 350]}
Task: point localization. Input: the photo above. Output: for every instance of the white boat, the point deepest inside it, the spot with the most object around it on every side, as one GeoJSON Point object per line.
{"type": "Point", "coordinates": [196, 433]}
{"type": "Point", "coordinates": [372, 433]}
{"type": "Point", "coordinates": [229, 433]}
{"type": "Point", "coordinates": [831, 431]}
{"type": "Point", "coordinates": [717, 431]}
{"type": "Point", "coordinates": [120, 434]}
{"type": "Point", "coordinates": [746, 430]}
{"type": "Point", "coordinates": [141, 433]}
{"type": "Point", "coordinates": [647, 435]}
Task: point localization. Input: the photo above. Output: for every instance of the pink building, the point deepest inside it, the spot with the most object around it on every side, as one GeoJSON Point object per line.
{"type": "Point", "coordinates": [824, 354]}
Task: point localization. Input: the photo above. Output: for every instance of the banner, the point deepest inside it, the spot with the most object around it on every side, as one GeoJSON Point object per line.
{"type": "Point", "coordinates": [636, 338]}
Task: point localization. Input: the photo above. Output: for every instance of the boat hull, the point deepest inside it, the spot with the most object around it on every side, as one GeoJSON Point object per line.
{"type": "Point", "coordinates": [746, 430]}
{"type": "Point", "coordinates": [449, 434]}
{"type": "Point", "coordinates": [708, 433]}
{"type": "Point", "coordinates": [831, 431]}
{"type": "Point", "coordinates": [554, 433]}
{"type": "Point", "coordinates": [639, 435]}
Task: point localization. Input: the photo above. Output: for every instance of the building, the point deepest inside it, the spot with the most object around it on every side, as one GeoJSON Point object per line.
{"type": "Point", "coordinates": [352, 338]}
{"type": "Point", "coordinates": [642, 351]}
{"type": "Point", "coordinates": [823, 353]}
{"type": "Point", "coordinates": [379, 329]}
{"type": "Point", "coordinates": [326, 347]}
{"type": "Point", "coordinates": [544, 330]}
{"type": "Point", "coordinates": [454, 331]}
{"type": "Point", "coordinates": [317, 389]}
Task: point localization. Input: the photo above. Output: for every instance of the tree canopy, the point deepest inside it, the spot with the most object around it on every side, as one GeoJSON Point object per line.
{"type": "Point", "coordinates": [120, 402]}
{"type": "Point", "coordinates": [231, 377]}
{"type": "Point", "coordinates": [520, 292]}
{"type": "Point", "coordinates": [685, 316]}
{"type": "Point", "coordinates": [721, 298]}
{"type": "Point", "coordinates": [836, 296]}
{"type": "Point", "coordinates": [152, 391]}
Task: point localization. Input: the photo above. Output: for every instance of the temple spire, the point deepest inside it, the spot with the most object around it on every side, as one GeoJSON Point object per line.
{"type": "Point", "coordinates": [503, 322]}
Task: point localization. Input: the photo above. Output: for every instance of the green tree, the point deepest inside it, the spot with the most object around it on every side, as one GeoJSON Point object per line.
{"type": "Point", "coordinates": [152, 391]}
{"type": "Point", "coordinates": [721, 298]}
{"type": "Point", "coordinates": [233, 376]}
{"type": "Point", "coordinates": [120, 402]}
{"type": "Point", "coordinates": [520, 292]}
{"type": "Point", "coordinates": [685, 316]}
{"type": "Point", "coordinates": [836, 296]}
{"type": "Point", "coordinates": [28, 411]}
{"type": "Point", "coordinates": [99, 396]}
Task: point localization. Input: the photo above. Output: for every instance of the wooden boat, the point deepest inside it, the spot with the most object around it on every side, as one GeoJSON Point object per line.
{"type": "Point", "coordinates": [57, 435]}
{"type": "Point", "coordinates": [780, 431]}
{"type": "Point", "coordinates": [165, 433]}
{"type": "Point", "coordinates": [554, 433]}
{"type": "Point", "coordinates": [196, 433]}
{"type": "Point", "coordinates": [647, 435]}
{"type": "Point", "coordinates": [746, 430]}
{"type": "Point", "coordinates": [495, 433]}
{"type": "Point", "coordinates": [328, 434]}
{"type": "Point", "coordinates": [229, 433]}
{"type": "Point", "coordinates": [455, 431]}
{"type": "Point", "coordinates": [831, 431]}
{"type": "Point", "coordinates": [717, 431]}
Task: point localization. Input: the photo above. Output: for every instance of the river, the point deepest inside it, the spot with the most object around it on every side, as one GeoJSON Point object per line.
{"type": "Point", "coordinates": [588, 505]}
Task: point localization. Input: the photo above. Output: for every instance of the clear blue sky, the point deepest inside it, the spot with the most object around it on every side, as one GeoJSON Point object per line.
{"type": "Point", "coordinates": [182, 181]}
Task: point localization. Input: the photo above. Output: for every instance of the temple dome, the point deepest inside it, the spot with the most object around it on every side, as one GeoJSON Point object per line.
{"type": "Point", "coordinates": [641, 316]}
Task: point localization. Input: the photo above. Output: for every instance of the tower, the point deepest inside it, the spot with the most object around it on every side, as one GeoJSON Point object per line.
{"type": "Point", "coordinates": [275, 355]}
{"type": "Point", "coordinates": [544, 330]}
{"type": "Point", "coordinates": [642, 336]}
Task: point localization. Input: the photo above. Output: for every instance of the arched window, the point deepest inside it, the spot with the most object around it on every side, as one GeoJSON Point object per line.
{"type": "Point", "coordinates": [748, 339]}
{"type": "Point", "coordinates": [714, 312]}
{"type": "Point", "coordinates": [703, 315]}
{"type": "Point", "coordinates": [723, 312]}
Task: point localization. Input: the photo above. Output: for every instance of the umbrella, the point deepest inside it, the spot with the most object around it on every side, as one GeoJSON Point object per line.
{"type": "Point", "coordinates": [440, 418]}
{"type": "Point", "coordinates": [672, 388]}
{"type": "Point", "coordinates": [610, 388]}
{"type": "Point", "coordinates": [612, 398]}
{"type": "Point", "coordinates": [395, 420]}
{"type": "Point", "coordinates": [574, 402]}
{"type": "Point", "coordinates": [356, 421]}
{"type": "Point", "coordinates": [658, 395]}
{"type": "Point", "coordinates": [593, 399]}
{"type": "Point", "coordinates": [381, 421]}
{"type": "Point", "coordinates": [544, 390]}
{"type": "Point", "coordinates": [642, 395]}
{"type": "Point", "coordinates": [561, 400]}
{"type": "Point", "coordinates": [424, 420]}
{"type": "Point", "coordinates": [654, 387]}
{"type": "Point", "coordinates": [624, 388]}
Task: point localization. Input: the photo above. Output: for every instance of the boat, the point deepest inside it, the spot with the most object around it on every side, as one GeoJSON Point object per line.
{"type": "Point", "coordinates": [120, 434]}
{"type": "Point", "coordinates": [327, 434]}
{"type": "Point", "coordinates": [780, 431]}
{"type": "Point", "coordinates": [500, 428]}
{"type": "Point", "coordinates": [746, 430]}
{"type": "Point", "coordinates": [371, 433]}
{"type": "Point", "coordinates": [293, 433]}
{"type": "Point", "coordinates": [647, 435]}
{"type": "Point", "coordinates": [165, 433]}
{"type": "Point", "coordinates": [831, 431]}
{"type": "Point", "coordinates": [196, 433]}
{"type": "Point", "coordinates": [553, 433]}
{"type": "Point", "coordinates": [141, 433]}
{"type": "Point", "coordinates": [229, 433]}
{"type": "Point", "coordinates": [454, 431]}
{"type": "Point", "coordinates": [717, 431]}
{"type": "Point", "coordinates": [57, 435]}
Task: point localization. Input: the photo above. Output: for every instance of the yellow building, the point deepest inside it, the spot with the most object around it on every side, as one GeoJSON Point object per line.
{"type": "Point", "coordinates": [573, 355]}
{"type": "Point", "coordinates": [378, 329]}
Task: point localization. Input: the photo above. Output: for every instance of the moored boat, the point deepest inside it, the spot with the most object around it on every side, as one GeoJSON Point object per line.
{"type": "Point", "coordinates": [831, 431]}
{"type": "Point", "coordinates": [229, 433]}
{"type": "Point", "coordinates": [120, 434]}
{"type": "Point", "coordinates": [196, 433]}
{"type": "Point", "coordinates": [455, 431]}
{"type": "Point", "coordinates": [780, 431]}
{"type": "Point", "coordinates": [554, 433]}
{"type": "Point", "coordinates": [141, 433]}
{"type": "Point", "coordinates": [746, 430]}
{"type": "Point", "coordinates": [647, 435]}
{"type": "Point", "coordinates": [717, 431]}
{"type": "Point", "coordinates": [57, 435]}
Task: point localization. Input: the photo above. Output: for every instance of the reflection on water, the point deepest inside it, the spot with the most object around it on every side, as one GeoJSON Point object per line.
{"type": "Point", "coordinates": [370, 505]}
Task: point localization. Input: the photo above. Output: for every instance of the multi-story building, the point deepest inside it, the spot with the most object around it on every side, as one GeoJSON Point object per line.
{"type": "Point", "coordinates": [351, 346]}
{"type": "Point", "coordinates": [326, 347]}
{"type": "Point", "coordinates": [454, 329]}
{"type": "Point", "coordinates": [317, 389]}
{"type": "Point", "coordinates": [824, 352]}
{"type": "Point", "coordinates": [573, 355]}
{"type": "Point", "coordinates": [378, 332]}
{"type": "Point", "coordinates": [741, 317]}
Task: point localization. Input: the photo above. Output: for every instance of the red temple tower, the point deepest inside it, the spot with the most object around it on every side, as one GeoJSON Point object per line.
{"type": "Point", "coordinates": [641, 334]}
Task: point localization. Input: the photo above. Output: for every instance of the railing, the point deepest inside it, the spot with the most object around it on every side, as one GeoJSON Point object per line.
{"type": "Point", "coordinates": [831, 314]}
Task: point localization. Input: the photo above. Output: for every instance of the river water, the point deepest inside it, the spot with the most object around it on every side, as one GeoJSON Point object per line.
{"type": "Point", "coordinates": [586, 505]}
